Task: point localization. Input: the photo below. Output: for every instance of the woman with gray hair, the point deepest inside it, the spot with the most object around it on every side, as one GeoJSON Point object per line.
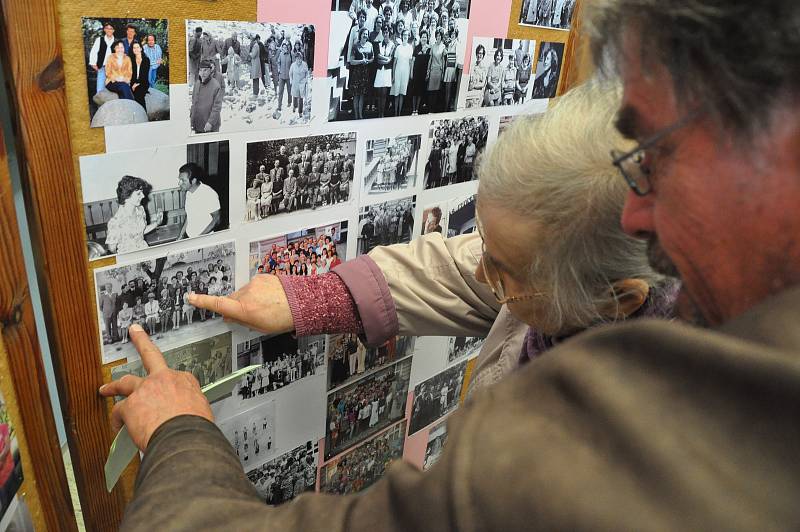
{"type": "Point", "coordinates": [551, 259]}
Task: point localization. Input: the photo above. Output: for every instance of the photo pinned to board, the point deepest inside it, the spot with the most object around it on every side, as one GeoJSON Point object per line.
{"type": "Point", "coordinates": [311, 251]}
{"type": "Point", "coordinates": [500, 73]}
{"type": "Point", "coordinates": [437, 397]}
{"type": "Point", "coordinates": [291, 474]}
{"type": "Point", "coordinates": [384, 224]}
{"type": "Point", "coordinates": [555, 14]}
{"type": "Point", "coordinates": [252, 434]}
{"type": "Point", "coordinates": [454, 145]}
{"type": "Point", "coordinates": [548, 70]}
{"type": "Point", "coordinates": [392, 164]}
{"type": "Point", "coordinates": [349, 360]}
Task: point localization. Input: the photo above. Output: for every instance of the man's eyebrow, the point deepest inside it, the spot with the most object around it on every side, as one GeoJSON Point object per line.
{"type": "Point", "coordinates": [627, 123]}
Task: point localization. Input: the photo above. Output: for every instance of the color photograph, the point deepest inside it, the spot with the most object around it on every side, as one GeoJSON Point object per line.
{"type": "Point", "coordinates": [311, 251]}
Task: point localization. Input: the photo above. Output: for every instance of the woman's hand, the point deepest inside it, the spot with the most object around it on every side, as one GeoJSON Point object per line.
{"type": "Point", "coordinates": [133, 87]}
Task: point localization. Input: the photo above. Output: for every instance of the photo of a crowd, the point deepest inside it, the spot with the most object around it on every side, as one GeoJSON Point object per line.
{"type": "Point", "coordinates": [454, 146]}
{"type": "Point", "coordinates": [396, 57]}
{"type": "Point", "coordinates": [155, 294]}
{"type": "Point", "coordinates": [251, 433]}
{"type": "Point", "coordinates": [460, 347]}
{"type": "Point", "coordinates": [366, 407]}
{"type": "Point", "coordinates": [248, 75]}
{"type": "Point", "coordinates": [386, 223]}
{"type": "Point", "coordinates": [290, 175]}
{"type": "Point", "coordinates": [500, 73]}
{"type": "Point", "coordinates": [461, 217]}
{"type": "Point", "coordinates": [136, 200]}
{"type": "Point", "coordinates": [437, 397]}
{"type": "Point", "coordinates": [361, 467]}
{"type": "Point", "coordinates": [392, 164]}
{"type": "Point", "coordinates": [437, 437]}
{"type": "Point", "coordinates": [127, 72]}
{"type": "Point", "coordinates": [548, 70]}
{"type": "Point", "coordinates": [312, 251]}
{"type": "Point", "coordinates": [283, 359]}
{"type": "Point", "coordinates": [556, 14]}
{"type": "Point", "coordinates": [349, 360]}
{"type": "Point", "coordinates": [287, 476]}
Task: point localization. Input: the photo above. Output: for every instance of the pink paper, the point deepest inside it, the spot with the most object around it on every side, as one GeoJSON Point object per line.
{"type": "Point", "coordinates": [487, 18]}
{"type": "Point", "coordinates": [316, 12]}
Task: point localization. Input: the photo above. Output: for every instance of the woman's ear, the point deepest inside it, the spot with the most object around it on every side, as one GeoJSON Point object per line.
{"type": "Point", "coordinates": [630, 295]}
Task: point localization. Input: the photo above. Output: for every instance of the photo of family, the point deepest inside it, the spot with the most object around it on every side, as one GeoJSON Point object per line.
{"type": "Point", "coordinates": [248, 76]}
{"type": "Point", "coordinates": [312, 251]}
{"type": "Point", "coordinates": [556, 14]}
{"type": "Point", "coordinates": [436, 397]}
{"type": "Point", "coordinates": [395, 57]}
{"type": "Point", "coordinates": [548, 70]}
{"type": "Point", "coordinates": [349, 360]}
{"type": "Point", "coordinates": [155, 294]}
{"type": "Point", "coordinates": [287, 476]}
{"type": "Point", "coordinates": [460, 347]}
{"type": "Point", "coordinates": [455, 144]}
{"type": "Point", "coordinates": [251, 433]}
{"type": "Point", "coordinates": [437, 437]}
{"type": "Point", "coordinates": [386, 223]}
{"type": "Point", "coordinates": [127, 73]}
{"type": "Point", "coordinates": [290, 175]}
{"type": "Point", "coordinates": [136, 200]}
{"type": "Point", "coordinates": [392, 164]}
{"type": "Point", "coordinates": [500, 72]}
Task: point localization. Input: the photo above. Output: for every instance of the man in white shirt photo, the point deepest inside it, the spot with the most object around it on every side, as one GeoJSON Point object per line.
{"type": "Point", "coordinates": [202, 202]}
{"type": "Point", "coordinates": [101, 50]}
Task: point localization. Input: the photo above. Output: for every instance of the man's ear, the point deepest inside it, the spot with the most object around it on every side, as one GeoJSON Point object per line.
{"type": "Point", "coordinates": [630, 295]}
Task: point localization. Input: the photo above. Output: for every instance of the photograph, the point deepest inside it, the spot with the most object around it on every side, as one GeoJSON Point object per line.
{"type": "Point", "coordinates": [460, 347]}
{"type": "Point", "coordinates": [296, 174]}
{"type": "Point", "coordinates": [312, 251]}
{"type": "Point", "coordinates": [386, 223]}
{"type": "Point", "coordinates": [283, 360]}
{"type": "Point", "coordinates": [140, 199]}
{"type": "Point", "coordinates": [461, 217]}
{"type": "Point", "coordinates": [437, 437]}
{"type": "Point", "coordinates": [251, 434]}
{"type": "Point", "coordinates": [127, 70]}
{"type": "Point", "coordinates": [432, 219]}
{"type": "Point", "coordinates": [556, 14]}
{"type": "Point", "coordinates": [392, 164]}
{"type": "Point", "coordinates": [361, 467]}
{"type": "Point", "coordinates": [349, 360]}
{"type": "Point", "coordinates": [287, 476]}
{"type": "Point", "coordinates": [365, 407]}
{"type": "Point", "coordinates": [500, 72]}
{"type": "Point", "coordinates": [548, 70]}
{"type": "Point", "coordinates": [506, 121]}
{"type": "Point", "coordinates": [395, 57]}
{"type": "Point", "coordinates": [248, 76]}
{"type": "Point", "coordinates": [10, 465]}
{"type": "Point", "coordinates": [437, 397]}
{"type": "Point", "coordinates": [455, 144]}
{"type": "Point", "coordinates": [155, 294]}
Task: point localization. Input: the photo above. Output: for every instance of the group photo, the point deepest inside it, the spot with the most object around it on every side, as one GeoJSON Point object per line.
{"type": "Point", "coordinates": [361, 467]}
{"type": "Point", "coordinates": [461, 216]}
{"type": "Point", "coordinates": [501, 72]}
{"type": "Point", "coordinates": [287, 476]}
{"type": "Point", "coordinates": [459, 347]}
{"type": "Point", "coordinates": [455, 144]}
{"type": "Point", "coordinates": [136, 200]}
{"type": "Point", "coordinates": [127, 73]}
{"type": "Point", "coordinates": [392, 164]}
{"type": "Point", "coordinates": [297, 174]}
{"type": "Point", "coordinates": [386, 223]}
{"type": "Point", "coordinates": [548, 70]}
{"type": "Point", "coordinates": [556, 14]}
{"type": "Point", "coordinates": [437, 437]}
{"type": "Point", "coordinates": [251, 433]}
{"type": "Point", "coordinates": [311, 251]}
{"type": "Point", "coordinates": [155, 294]}
{"type": "Point", "coordinates": [348, 359]}
{"type": "Point", "coordinates": [395, 57]}
{"type": "Point", "coordinates": [437, 397]}
{"type": "Point", "coordinates": [365, 407]}
{"type": "Point", "coordinates": [248, 76]}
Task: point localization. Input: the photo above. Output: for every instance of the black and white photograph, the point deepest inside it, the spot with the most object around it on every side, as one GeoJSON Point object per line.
{"type": "Point", "coordinates": [155, 294]}
{"type": "Point", "coordinates": [395, 58]}
{"type": "Point", "coordinates": [349, 360]}
{"type": "Point", "coordinates": [437, 397]}
{"type": "Point", "coordinates": [556, 14]}
{"type": "Point", "coordinates": [461, 347]}
{"type": "Point", "coordinates": [501, 72]}
{"type": "Point", "coordinates": [365, 407]}
{"type": "Point", "coordinates": [136, 200]}
{"type": "Point", "coordinates": [461, 217]}
{"type": "Point", "coordinates": [361, 467]}
{"type": "Point", "coordinates": [311, 251]}
{"type": "Point", "coordinates": [287, 476]}
{"type": "Point", "coordinates": [127, 70]}
{"type": "Point", "coordinates": [392, 164]}
{"type": "Point", "coordinates": [455, 144]}
{"type": "Point", "coordinates": [386, 223]}
{"type": "Point", "coordinates": [248, 76]}
{"type": "Point", "coordinates": [298, 174]}
{"type": "Point", "coordinates": [252, 434]}
{"type": "Point", "coordinates": [437, 437]}
{"type": "Point", "coordinates": [283, 360]}
{"type": "Point", "coordinates": [548, 70]}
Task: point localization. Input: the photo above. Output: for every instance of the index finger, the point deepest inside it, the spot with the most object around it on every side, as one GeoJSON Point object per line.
{"type": "Point", "coordinates": [152, 359]}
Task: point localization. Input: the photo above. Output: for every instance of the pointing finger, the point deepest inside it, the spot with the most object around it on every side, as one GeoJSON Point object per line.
{"type": "Point", "coordinates": [152, 359]}
{"type": "Point", "coordinates": [124, 386]}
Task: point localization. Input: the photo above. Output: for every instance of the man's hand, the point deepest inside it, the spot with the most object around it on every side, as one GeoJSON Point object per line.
{"type": "Point", "coordinates": [261, 305]}
{"type": "Point", "coordinates": [155, 399]}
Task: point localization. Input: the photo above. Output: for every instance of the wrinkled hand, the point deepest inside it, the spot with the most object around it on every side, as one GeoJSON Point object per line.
{"type": "Point", "coordinates": [153, 400]}
{"type": "Point", "coordinates": [260, 305]}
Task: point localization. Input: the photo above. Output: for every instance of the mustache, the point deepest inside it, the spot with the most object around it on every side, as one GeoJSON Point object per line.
{"type": "Point", "coordinates": [659, 260]}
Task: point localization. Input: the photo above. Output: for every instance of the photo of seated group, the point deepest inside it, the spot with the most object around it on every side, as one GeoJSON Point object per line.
{"type": "Point", "coordinates": [463, 347]}
{"type": "Point", "coordinates": [288, 476]}
{"type": "Point", "coordinates": [437, 397]}
{"type": "Point", "coordinates": [312, 251]}
{"type": "Point", "coordinates": [136, 200]}
{"type": "Point", "coordinates": [290, 175]}
{"type": "Point", "coordinates": [127, 72]}
{"type": "Point", "coordinates": [361, 467]}
{"type": "Point", "coordinates": [392, 164]}
{"type": "Point", "coordinates": [283, 359]}
{"type": "Point", "coordinates": [251, 434]}
{"type": "Point", "coordinates": [362, 409]}
{"type": "Point", "coordinates": [455, 143]}
{"type": "Point", "coordinates": [500, 74]}
{"type": "Point", "coordinates": [386, 223]}
{"type": "Point", "coordinates": [155, 294]}
{"type": "Point", "coordinates": [349, 360]}
{"type": "Point", "coordinates": [248, 75]}
{"type": "Point", "coordinates": [396, 58]}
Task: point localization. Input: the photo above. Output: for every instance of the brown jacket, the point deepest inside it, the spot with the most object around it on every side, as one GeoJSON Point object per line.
{"type": "Point", "coordinates": [642, 426]}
